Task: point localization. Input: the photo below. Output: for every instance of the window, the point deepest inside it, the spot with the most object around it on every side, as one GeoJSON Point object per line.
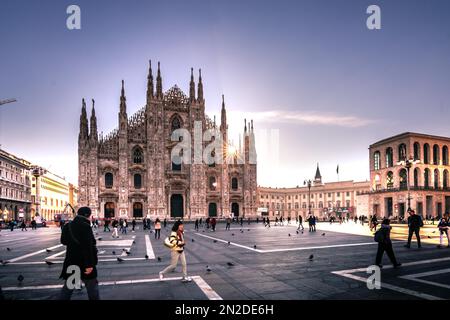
{"type": "Point", "coordinates": [329, 195]}
{"type": "Point", "coordinates": [347, 203]}
{"type": "Point", "coordinates": [445, 155]}
{"type": "Point", "coordinates": [436, 178]}
{"type": "Point", "coordinates": [176, 163]}
{"type": "Point", "coordinates": [426, 153]}
{"type": "Point", "coordinates": [347, 194]}
{"type": "Point", "coordinates": [403, 179]}
{"type": "Point", "coordinates": [137, 155]}
{"type": "Point", "coordinates": [376, 160]}
{"type": "Point", "coordinates": [402, 152]}
{"type": "Point", "coordinates": [338, 194]}
{"type": "Point", "coordinates": [416, 177]}
{"type": "Point", "coordinates": [445, 179]}
{"type": "Point", "coordinates": [109, 180]}
{"type": "Point", "coordinates": [212, 183]}
{"type": "Point", "coordinates": [426, 178]}
{"type": "Point", "coordinates": [389, 180]}
{"type": "Point", "coordinates": [176, 123]}
{"type": "Point", "coordinates": [137, 181]}
{"type": "Point", "coordinates": [436, 154]}
{"type": "Point", "coordinates": [234, 183]}
{"type": "Point", "coordinates": [416, 151]}
{"type": "Point", "coordinates": [389, 157]}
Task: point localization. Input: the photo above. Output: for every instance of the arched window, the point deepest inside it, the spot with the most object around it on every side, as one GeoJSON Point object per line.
{"type": "Point", "coordinates": [376, 160]}
{"type": "Point", "coordinates": [436, 178]}
{"type": "Point", "coordinates": [320, 204]}
{"type": "Point", "coordinates": [109, 180]}
{"type": "Point", "coordinates": [137, 155]}
{"type": "Point", "coordinates": [176, 163]}
{"type": "Point", "coordinates": [176, 123]}
{"type": "Point", "coordinates": [403, 179]}
{"type": "Point", "coordinates": [416, 151]}
{"type": "Point", "coordinates": [212, 183]}
{"type": "Point", "coordinates": [137, 181]}
{"type": "Point", "coordinates": [213, 157]}
{"type": "Point", "coordinates": [436, 154]}
{"type": "Point", "coordinates": [426, 153]}
{"type": "Point", "coordinates": [416, 177]}
{"type": "Point", "coordinates": [402, 152]}
{"type": "Point", "coordinates": [445, 179]}
{"type": "Point", "coordinates": [389, 180]}
{"type": "Point", "coordinates": [389, 157]}
{"type": "Point", "coordinates": [234, 183]}
{"type": "Point", "coordinates": [426, 178]}
{"type": "Point", "coordinates": [445, 155]}
{"type": "Point", "coordinates": [338, 204]}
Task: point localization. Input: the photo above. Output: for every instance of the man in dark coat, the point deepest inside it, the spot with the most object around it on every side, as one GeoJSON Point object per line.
{"type": "Point", "coordinates": [415, 222]}
{"type": "Point", "coordinates": [82, 253]}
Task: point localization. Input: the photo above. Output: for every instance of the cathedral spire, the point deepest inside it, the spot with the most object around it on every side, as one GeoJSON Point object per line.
{"type": "Point", "coordinates": [200, 87]}
{"type": "Point", "coordinates": [318, 176]}
{"type": "Point", "coordinates": [93, 133]}
{"type": "Point", "coordinates": [223, 115]}
{"type": "Point", "coordinates": [83, 122]}
{"type": "Point", "coordinates": [159, 93]}
{"type": "Point", "coordinates": [150, 82]}
{"type": "Point", "coordinates": [192, 87]}
{"type": "Point", "coordinates": [123, 100]}
{"type": "Point", "coordinates": [245, 125]}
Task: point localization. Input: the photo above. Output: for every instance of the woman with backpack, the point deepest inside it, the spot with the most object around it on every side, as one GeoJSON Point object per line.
{"type": "Point", "coordinates": [443, 229]}
{"type": "Point", "coordinates": [383, 237]}
{"type": "Point", "coordinates": [176, 243]}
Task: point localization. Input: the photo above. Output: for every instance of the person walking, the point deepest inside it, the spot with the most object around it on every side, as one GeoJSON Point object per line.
{"type": "Point", "coordinates": [373, 223]}
{"type": "Point", "coordinates": [268, 222]}
{"type": "Point", "coordinates": [383, 237]}
{"type": "Point", "coordinates": [196, 225]}
{"type": "Point", "coordinates": [11, 225]}
{"type": "Point", "coordinates": [213, 224]}
{"type": "Point", "coordinates": [276, 220]}
{"type": "Point", "coordinates": [177, 243]}
{"type": "Point", "coordinates": [120, 224]}
{"type": "Point", "coordinates": [23, 225]}
{"type": "Point", "coordinates": [257, 220]}
{"type": "Point", "coordinates": [33, 224]}
{"type": "Point", "coordinates": [415, 222]}
{"type": "Point", "coordinates": [115, 225]}
{"type": "Point", "coordinates": [165, 223]}
{"type": "Point", "coordinates": [133, 225]}
{"type": "Point", "coordinates": [314, 221]}
{"type": "Point", "coordinates": [443, 225]}
{"type": "Point", "coordinates": [228, 225]}
{"type": "Point", "coordinates": [144, 223]}
{"type": "Point", "coordinates": [106, 225]}
{"type": "Point", "coordinates": [310, 223]}
{"type": "Point", "coordinates": [124, 226]}
{"type": "Point", "coordinates": [157, 228]}
{"type": "Point", "coordinates": [300, 223]}
{"type": "Point", "coordinates": [81, 251]}
{"type": "Point", "coordinates": [242, 222]}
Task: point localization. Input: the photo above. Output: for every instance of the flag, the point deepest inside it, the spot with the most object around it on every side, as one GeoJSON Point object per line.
{"type": "Point", "coordinates": [337, 169]}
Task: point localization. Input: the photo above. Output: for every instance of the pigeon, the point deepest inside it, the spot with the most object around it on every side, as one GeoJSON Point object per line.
{"type": "Point", "coordinates": [120, 259]}
{"type": "Point", "coordinates": [289, 234]}
{"type": "Point", "coordinates": [49, 263]}
{"type": "Point", "coordinates": [248, 229]}
{"type": "Point", "coordinates": [297, 231]}
{"type": "Point", "coordinates": [232, 234]}
{"type": "Point", "coordinates": [323, 234]}
{"type": "Point", "coordinates": [229, 242]}
{"type": "Point", "coordinates": [159, 259]}
{"type": "Point", "coordinates": [99, 239]}
{"type": "Point", "coordinates": [311, 257]}
{"type": "Point", "coordinates": [208, 269]}
{"type": "Point", "coordinates": [230, 264]}
{"type": "Point", "coordinates": [9, 249]}
{"type": "Point", "coordinates": [203, 231]}
{"type": "Point", "coordinates": [128, 252]}
{"type": "Point", "coordinates": [242, 231]}
{"type": "Point", "coordinates": [48, 250]}
{"type": "Point", "coordinates": [146, 256]}
{"type": "Point", "coordinates": [134, 241]}
{"type": "Point", "coordinates": [114, 253]}
{"type": "Point", "coordinates": [302, 231]}
{"type": "Point", "coordinates": [215, 241]}
{"type": "Point", "coordinates": [192, 240]}
{"type": "Point", "coordinates": [20, 278]}
{"type": "Point", "coordinates": [254, 246]}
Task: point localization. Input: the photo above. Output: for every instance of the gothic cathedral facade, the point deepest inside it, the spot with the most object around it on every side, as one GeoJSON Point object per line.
{"type": "Point", "coordinates": [131, 172]}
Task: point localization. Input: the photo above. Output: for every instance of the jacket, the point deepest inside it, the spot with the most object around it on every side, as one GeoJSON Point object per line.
{"type": "Point", "coordinates": [81, 247]}
{"type": "Point", "coordinates": [415, 221]}
{"type": "Point", "coordinates": [176, 241]}
{"type": "Point", "coordinates": [385, 230]}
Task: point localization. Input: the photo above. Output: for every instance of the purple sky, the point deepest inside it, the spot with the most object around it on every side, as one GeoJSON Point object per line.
{"type": "Point", "coordinates": [310, 70]}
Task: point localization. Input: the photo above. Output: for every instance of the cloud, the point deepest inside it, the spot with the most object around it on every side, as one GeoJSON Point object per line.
{"type": "Point", "coordinates": [308, 117]}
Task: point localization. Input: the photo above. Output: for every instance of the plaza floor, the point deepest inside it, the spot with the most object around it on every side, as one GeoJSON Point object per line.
{"type": "Point", "coordinates": [266, 263]}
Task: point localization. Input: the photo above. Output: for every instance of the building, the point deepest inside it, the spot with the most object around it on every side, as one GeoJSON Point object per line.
{"type": "Point", "coordinates": [135, 170]}
{"type": "Point", "coordinates": [50, 194]}
{"type": "Point", "coordinates": [15, 189]}
{"type": "Point", "coordinates": [414, 161]}
{"type": "Point", "coordinates": [325, 199]}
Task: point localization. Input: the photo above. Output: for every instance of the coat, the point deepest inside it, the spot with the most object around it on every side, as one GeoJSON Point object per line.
{"type": "Point", "coordinates": [81, 247]}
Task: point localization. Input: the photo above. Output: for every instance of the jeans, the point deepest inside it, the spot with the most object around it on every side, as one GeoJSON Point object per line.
{"type": "Point", "coordinates": [174, 261]}
{"type": "Point", "coordinates": [91, 287]}
{"type": "Point", "coordinates": [382, 247]}
{"type": "Point", "coordinates": [157, 233]}
{"type": "Point", "coordinates": [441, 236]}
{"type": "Point", "coordinates": [416, 231]}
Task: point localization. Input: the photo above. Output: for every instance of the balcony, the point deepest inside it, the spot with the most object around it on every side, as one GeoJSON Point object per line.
{"type": "Point", "coordinates": [404, 188]}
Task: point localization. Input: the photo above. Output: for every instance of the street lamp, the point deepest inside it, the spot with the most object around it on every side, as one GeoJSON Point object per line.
{"type": "Point", "coordinates": [408, 163]}
{"type": "Point", "coordinates": [308, 183]}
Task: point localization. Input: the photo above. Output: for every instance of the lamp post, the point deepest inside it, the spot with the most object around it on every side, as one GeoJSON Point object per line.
{"type": "Point", "coordinates": [308, 183]}
{"type": "Point", "coordinates": [408, 163]}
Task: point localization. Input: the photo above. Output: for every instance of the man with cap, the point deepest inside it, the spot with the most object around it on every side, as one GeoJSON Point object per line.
{"type": "Point", "coordinates": [81, 253]}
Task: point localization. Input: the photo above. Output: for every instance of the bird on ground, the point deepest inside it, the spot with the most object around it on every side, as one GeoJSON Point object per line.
{"type": "Point", "coordinates": [20, 278]}
{"type": "Point", "coordinates": [120, 259]}
{"type": "Point", "coordinates": [297, 231]}
{"type": "Point", "coordinates": [49, 263]}
{"type": "Point", "coordinates": [434, 231]}
{"type": "Point", "coordinates": [192, 240]}
{"type": "Point", "coordinates": [230, 264]}
{"type": "Point", "coordinates": [128, 252]}
{"type": "Point", "coordinates": [99, 239]}
{"type": "Point", "coordinates": [9, 249]}
{"type": "Point", "coordinates": [48, 250]}
{"type": "Point", "coordinates": [254, 246]}
{"type": "Point", "coordinates": [323, 234]}
{"type": "Point", "coordinates": [229, 242]}
{"type": "Point", "coordinates": [146, 256]}
{"type": "Point", "coordinates": [215, 241]}
{"type": "Point", "coordinates": [302, 231]}
{"type": "Point", "coordinates": [159, 259]}
{"type": "Point", "coordinates": [114, 253]}
{"type": "Point", "coordinates": [248, 229]}
{"type": "Point", "coordinates": [232, 234]}
{"type": "Point", "coordinates": [242, 231]}
{"type": "Point", "coordinates": [208, 269]}
{"type": "Point", "coordinates": [311, 257]}
{"type": "Point", "coordinates": [134, 241]}
{"type": "Point", "coordinates": [289, 234]}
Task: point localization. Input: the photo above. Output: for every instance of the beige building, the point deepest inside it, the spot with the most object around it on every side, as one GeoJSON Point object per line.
{"type": "Point", "coordinates": [325, 199]}
{"type": "Point", "coordinates": [15, 190]}
{"type": "Point", "coordinates": [427, 177]}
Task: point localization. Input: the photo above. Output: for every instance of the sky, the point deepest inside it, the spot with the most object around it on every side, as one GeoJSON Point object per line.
{"type": "Point", "coordinates": [312, 76]}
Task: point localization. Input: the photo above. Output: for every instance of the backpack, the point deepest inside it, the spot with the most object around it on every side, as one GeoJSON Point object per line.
{"type": "Point", "coordinates": [379, 236]}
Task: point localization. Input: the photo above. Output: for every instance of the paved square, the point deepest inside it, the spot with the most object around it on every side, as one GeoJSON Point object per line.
{"type": "Point", "coordinates": [248, 262]}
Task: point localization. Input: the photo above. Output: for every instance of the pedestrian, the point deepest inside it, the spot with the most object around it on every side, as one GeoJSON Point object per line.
{"type": "Point", "coordinates": [120, 224]}
{"type": "Point", "coordinates": [33, 224]}
{"type": "Point", "coordinates": [213, 224]}
{"type": "Point", "coordinates": [165, 223]}
{"type": "Point", "coordinates": [443, 229]}
{"type": "Point", "coordinates": [228, 223]}
{"type": "Point", "coordinates": [106, 225]}
{"type": "Point", "coordinates": [207, 221]}
{"type": "Point", "coordinates": [257, 219]}
{"type": "Point", "coordinates": [314, 221]}
{"type": "Point", "coordinates": [289, 220]}
{"type": "Point", "coordinates": [81, 251]}
{"type": "Point", "coordinates": [133, 224]}
{"type": "Point", "coordinates": [276, 220]}
{"type": "Point", "coordinates": [373, 223]}
{"type": "Point", "coordinates": [248, 221]}
{"type": "Point", "coordinates": [23, 225]}
{"type": "Point", "coordinates": [196, 225]}
{"type": "Point", "coordinates": [415, 222]}
{"type": "Point", "coordinates": [124, 226]}
{"type": "Point", "coordinates": [157, 228]}
{"type": "Point", "coordinates": [268, 222]}
{"type": "Point", "coordinates": [300, 223]}
{"type": "Point", "coordinates": [11, 225]}
{"type": "Point", "coordinates": [200, 222]}
{"type": "Point", "coordinates": [115, 225]}
{"type": "Point", "coordinates": [310, 223]}
{"type": "Point", "coordinates": [176, 243]}
{"type": "Point", "coordinates": [383, 237]}
{"type": "Point", "coordinates": [242, 221]}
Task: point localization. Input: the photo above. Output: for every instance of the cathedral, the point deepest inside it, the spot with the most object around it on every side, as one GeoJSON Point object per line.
{"type": "Point", "coordinates": [131, 172]}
